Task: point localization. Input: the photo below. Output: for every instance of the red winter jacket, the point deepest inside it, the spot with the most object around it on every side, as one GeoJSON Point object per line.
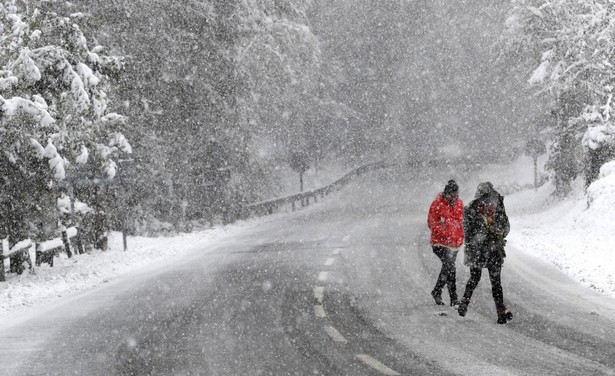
{"type": "Point", "coordinates": [446, 222]}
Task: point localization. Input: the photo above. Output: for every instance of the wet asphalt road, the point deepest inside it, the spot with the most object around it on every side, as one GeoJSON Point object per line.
{"type": "Point", "coordinates": [338, 288]}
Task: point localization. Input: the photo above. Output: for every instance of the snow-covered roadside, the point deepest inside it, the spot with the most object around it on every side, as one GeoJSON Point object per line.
{"type": "Point", "coordinates": [85, 271]}
{"type": "Point", "coordinates": [578, 239]}
{"type": "Point", "coordinates": [82, 272]}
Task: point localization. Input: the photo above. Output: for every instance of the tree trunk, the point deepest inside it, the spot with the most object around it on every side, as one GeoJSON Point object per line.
{"type": "Point", "coordinates": [2, 277]}
{"type": "Point", "coordinates": [535, 173]}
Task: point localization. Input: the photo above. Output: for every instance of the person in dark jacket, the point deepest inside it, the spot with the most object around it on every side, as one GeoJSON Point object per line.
{"type": "Point", "coordinates": [486, 226]}
{"type": "Point", "coordinates": [445, 222]}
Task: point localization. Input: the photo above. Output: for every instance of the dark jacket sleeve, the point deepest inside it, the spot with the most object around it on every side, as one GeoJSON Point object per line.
{"type": "Point", "coordinates": [466, 227]}
{"type": "Point", "coordinates": [470, 228]}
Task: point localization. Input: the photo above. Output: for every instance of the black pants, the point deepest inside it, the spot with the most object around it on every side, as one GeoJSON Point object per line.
{"type": "Point", "coordinates": [496, 284]}
{"type": "Point", "coordinates": [448, 273]}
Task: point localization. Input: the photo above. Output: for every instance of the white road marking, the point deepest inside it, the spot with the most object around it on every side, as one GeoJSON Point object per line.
{"type": "Point", "coordinates": [376, 364]}
{"type": "Point", "coordinates": [322, 276]}
{"type": "Point", "coordinates": [319, 311]}
{"type": "Point", "coordinates": [329, 261]}
{"type": "Point", "coordinates": [319, 293]}
{"type": "Point", "coordinates": [334, 334]}
{"type": "Point", "coordinates": [337, 251]}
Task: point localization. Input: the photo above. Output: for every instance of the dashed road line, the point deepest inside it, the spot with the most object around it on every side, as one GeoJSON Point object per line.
{"type": "Point", "coordinates": [335, 335]}
{"type": "Point", "coordinates": [368, 360]}
{"type": "Point", "coordinates": [319, 293]}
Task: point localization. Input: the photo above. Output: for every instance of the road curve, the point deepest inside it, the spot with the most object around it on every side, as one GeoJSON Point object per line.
{"type": "Point", "coordinates": [338, 288]}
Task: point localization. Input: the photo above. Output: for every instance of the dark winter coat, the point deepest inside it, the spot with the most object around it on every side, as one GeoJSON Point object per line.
{"type": "Point", "coordinates": [484, 243]}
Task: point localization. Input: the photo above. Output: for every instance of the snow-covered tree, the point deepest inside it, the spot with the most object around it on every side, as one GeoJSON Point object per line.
{"type": "Point", "coordinates": [571, 43]}
{"type": "Point", "coordinates": [278, 58]}
{"type": "Point", "coordinates": [53, 108]}
{"type": "Point", "coordinates": [229, 71]}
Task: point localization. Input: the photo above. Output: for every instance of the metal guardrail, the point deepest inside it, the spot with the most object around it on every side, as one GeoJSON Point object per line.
{"type": "Point", "coordinates": [271, 206]}
{"type": "Point", "coordinates": [71, 240]}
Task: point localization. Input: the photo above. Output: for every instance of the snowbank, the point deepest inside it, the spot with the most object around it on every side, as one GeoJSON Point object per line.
{"type": "Point", "coordinates": [576, 234]}
{"type": "Point", "coordinates": [91, 269]}
{"type": "Point", "coordinates": [577, 238]}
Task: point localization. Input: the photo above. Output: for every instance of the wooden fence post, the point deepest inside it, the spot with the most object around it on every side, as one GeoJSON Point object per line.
{"type": "Point", "coordinates": [66, 243]}
{"type": "Point", "coordinates": [38, 254]}
{"type": "Point", "coordinates": [80, 249]}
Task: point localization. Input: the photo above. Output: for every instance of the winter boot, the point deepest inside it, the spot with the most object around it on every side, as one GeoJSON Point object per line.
{"type": "Point", "coordinates": [463, 307]}
{"type": "Point", "coordinates": [453, 296]}
{"type": "Point", "coordinates": [504, 315]}
{"type": "Point", "coordinates": [437, 297]}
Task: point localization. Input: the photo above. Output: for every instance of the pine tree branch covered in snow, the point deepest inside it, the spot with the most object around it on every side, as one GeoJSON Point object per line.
{"type": "Point", "coordinates": [219, 94]}
{"type": "Point", "coordinates": [206, 73]}
{"type": "Point", "coordinates": [53, 106]}
{"type": "Point", "coordinates": [572, 49]}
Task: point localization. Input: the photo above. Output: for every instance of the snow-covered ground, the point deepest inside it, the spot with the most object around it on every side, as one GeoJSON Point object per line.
{"type": "Point", "coordinates": [576, 238]}
{"type": "Point", "coordinates": [91, 269]}
{"type": "Point", "coordinates": [576, 235]}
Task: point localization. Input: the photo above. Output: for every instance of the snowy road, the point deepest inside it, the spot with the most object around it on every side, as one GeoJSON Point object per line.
{"type": "Point", "coordinates": [339, 288]}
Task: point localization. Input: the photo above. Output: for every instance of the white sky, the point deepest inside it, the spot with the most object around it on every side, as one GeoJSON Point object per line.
{"type": "Point", "coordinates": [575, 238]}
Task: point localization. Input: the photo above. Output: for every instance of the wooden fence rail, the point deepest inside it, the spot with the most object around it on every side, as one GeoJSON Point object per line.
{"type": "Point", "coordinates": [70, 239]}
{"type": "Point", "coordinates": [68, 242]}
{"type": "Point", "coordinates": [271, 206]}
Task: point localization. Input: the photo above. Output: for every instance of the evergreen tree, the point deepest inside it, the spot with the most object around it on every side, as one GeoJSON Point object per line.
{"type": "Point", "coordinates": [572, 46]}
{"type": "Point", "coordinates": [54, 116]}
{"type": "Point", "coordinates": [197, 71]}
{"type": "Point", "coordinates": [278, 58]}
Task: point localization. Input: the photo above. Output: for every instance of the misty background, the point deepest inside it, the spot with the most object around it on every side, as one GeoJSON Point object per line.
{"type": "Point", "coordinates": [216, 103]}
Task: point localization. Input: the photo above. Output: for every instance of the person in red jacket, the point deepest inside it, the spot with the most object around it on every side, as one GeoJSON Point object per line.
{"type": "Point", "coordinates": [445, 220]}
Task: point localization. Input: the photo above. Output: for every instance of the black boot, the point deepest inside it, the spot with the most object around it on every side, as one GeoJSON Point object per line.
{"type": "Point", "coordinates": [437, 297]}
{"type": "Point", "coordinates": [504, 315]}
{"type": "Point", "coordinates": [463, 307]}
